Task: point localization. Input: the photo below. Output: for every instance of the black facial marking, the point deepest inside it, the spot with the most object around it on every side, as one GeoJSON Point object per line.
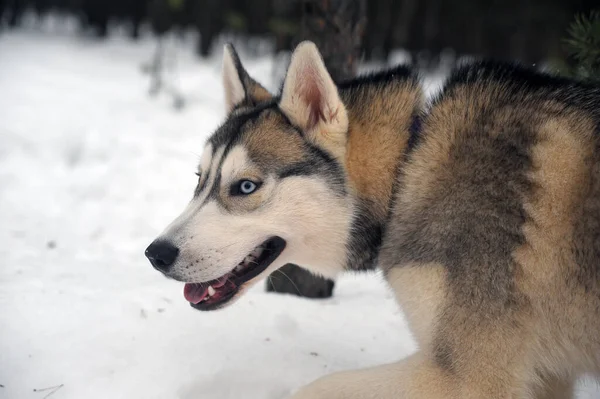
{"type": "Point", "coordinates": [214, 190]}
{"type": "Point", "coordinates": [200, 186]}
{"type": "Point", "coordinates": [297, 169]}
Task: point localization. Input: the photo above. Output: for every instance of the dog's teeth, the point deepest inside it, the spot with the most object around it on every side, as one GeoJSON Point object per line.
{"type": "Point", "coordinates": [239, 267]}
{"type": "Point", "coordinates": [211, 290]}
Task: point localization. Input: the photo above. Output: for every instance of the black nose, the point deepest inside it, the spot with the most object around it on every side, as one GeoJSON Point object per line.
{"type": "Point", "coordinates": [162, 254]}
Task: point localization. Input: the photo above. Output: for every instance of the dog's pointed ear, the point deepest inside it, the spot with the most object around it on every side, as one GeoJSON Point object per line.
{"type": "Point", "coordinates": [239, 87]}
{"type": "Point", "coordinates": [311, 100]}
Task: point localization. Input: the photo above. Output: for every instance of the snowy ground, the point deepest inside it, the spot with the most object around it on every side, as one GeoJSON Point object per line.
{"type": "Point", "coordinates": [91, 169]}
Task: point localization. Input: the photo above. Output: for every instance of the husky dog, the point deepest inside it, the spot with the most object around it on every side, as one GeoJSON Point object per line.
{"type": "Point", "coordinates": [482, 210]}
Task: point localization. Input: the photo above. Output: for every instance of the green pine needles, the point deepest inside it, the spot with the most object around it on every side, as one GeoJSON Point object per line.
{"type": "Point", "coordinates": [583, 45]}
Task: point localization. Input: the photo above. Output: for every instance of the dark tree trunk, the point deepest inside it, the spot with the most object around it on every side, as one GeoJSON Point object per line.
{"type": "Point", "coordinates": [337, 28]}
{"type": "Point", "coordinates": [208, 20]}
{"type": "Point", "coordinates": [17, 10]}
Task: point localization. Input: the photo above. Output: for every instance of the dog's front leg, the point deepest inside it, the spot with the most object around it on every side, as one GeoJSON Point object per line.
{"type": "Point", "coordinates": [414, 378]}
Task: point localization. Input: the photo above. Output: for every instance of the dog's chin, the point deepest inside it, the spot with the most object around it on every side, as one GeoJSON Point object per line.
{"type": "Point", "coordinates": [223, 291]}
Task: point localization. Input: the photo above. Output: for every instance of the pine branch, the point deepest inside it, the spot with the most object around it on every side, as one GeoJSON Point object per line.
{"type": "Point", "coordinates": [583, 45]}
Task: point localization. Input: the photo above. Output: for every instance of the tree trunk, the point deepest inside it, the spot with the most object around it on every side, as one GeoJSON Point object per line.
{"type": "Point", "coordinates": [209, 24]}
{"type": "Point", "coordinates": [336, 27]}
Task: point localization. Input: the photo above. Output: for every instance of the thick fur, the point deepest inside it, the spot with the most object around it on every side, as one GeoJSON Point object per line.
{"type": "Point", "coordinates": [483, 211]}
{"type": "Point", "coordinates": [493, 243]}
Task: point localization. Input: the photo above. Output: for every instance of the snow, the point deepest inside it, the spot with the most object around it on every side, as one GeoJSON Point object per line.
{"type": "Point", "coordinates": [91, 169]}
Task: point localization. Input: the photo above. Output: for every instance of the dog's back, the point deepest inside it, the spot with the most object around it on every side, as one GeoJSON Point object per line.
{"type": "Point", "coordinates": [493, 244]}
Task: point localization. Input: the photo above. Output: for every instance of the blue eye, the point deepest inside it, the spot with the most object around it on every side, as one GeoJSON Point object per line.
{"type": "Point", "coordinates": [244, 187]}
{"type": "Point", "coordinates": [247, 187]}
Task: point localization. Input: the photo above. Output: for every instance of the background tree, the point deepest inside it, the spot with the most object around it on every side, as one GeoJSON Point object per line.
{"type": "Point", "coordinates": [583, 45]}
{"type": "Point", "coordinates": [337, 28]}
{"type": "Point", "coordinates": [529, 31]}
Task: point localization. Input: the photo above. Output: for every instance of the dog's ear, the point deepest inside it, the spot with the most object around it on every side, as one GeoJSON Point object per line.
{"type": "Point", "coordinates": [239, 87]}
{"type": "Point", "coordinates": [310, 99]}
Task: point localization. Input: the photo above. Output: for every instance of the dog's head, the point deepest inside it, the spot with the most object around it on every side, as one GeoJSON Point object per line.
{"type": "Point", "coordinates": [271, 187]}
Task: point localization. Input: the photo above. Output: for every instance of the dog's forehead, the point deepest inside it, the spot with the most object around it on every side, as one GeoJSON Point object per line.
{"type": "Point", "coordinates": [231, 130]}
{"type": "Point", "coordinates": [265, 134]}
{"type": "Point", "coordinates": [222, 140]}
{"type": "Point", "coordinates": [235, 162]}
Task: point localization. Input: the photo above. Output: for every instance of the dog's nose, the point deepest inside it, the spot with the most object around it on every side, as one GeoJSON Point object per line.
{"type": "Point", "coordinates": [162, 254]}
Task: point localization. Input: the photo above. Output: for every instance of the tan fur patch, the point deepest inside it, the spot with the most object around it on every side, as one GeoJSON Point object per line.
{"type": "Point", "coordinates": [378, 136]}
{"type": "Point", "coordinates": [270, 141]}
{"type": "Point", "coordinates": [259, 93]}
{"type": "Point", "coordinates": [420, 290]}
{"type": "Point", "coordinates": [554, 388]}
{"type": "Point", "coordinates": [560, 173]}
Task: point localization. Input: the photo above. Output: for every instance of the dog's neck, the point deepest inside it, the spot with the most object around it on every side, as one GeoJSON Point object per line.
{"type": "Point", "coordinates": [382, 113]}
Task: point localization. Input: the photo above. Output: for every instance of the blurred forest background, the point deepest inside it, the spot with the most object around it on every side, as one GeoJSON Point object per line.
{"type": "Point", "coordinates": [530, 31]}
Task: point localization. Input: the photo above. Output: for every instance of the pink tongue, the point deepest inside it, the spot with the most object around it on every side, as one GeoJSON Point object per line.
{"type": "Point", "coordinates": [194, 293]}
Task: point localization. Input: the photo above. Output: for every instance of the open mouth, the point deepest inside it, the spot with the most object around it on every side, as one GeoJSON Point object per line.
{"type": "Point", "coordinates": [211, 295]}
